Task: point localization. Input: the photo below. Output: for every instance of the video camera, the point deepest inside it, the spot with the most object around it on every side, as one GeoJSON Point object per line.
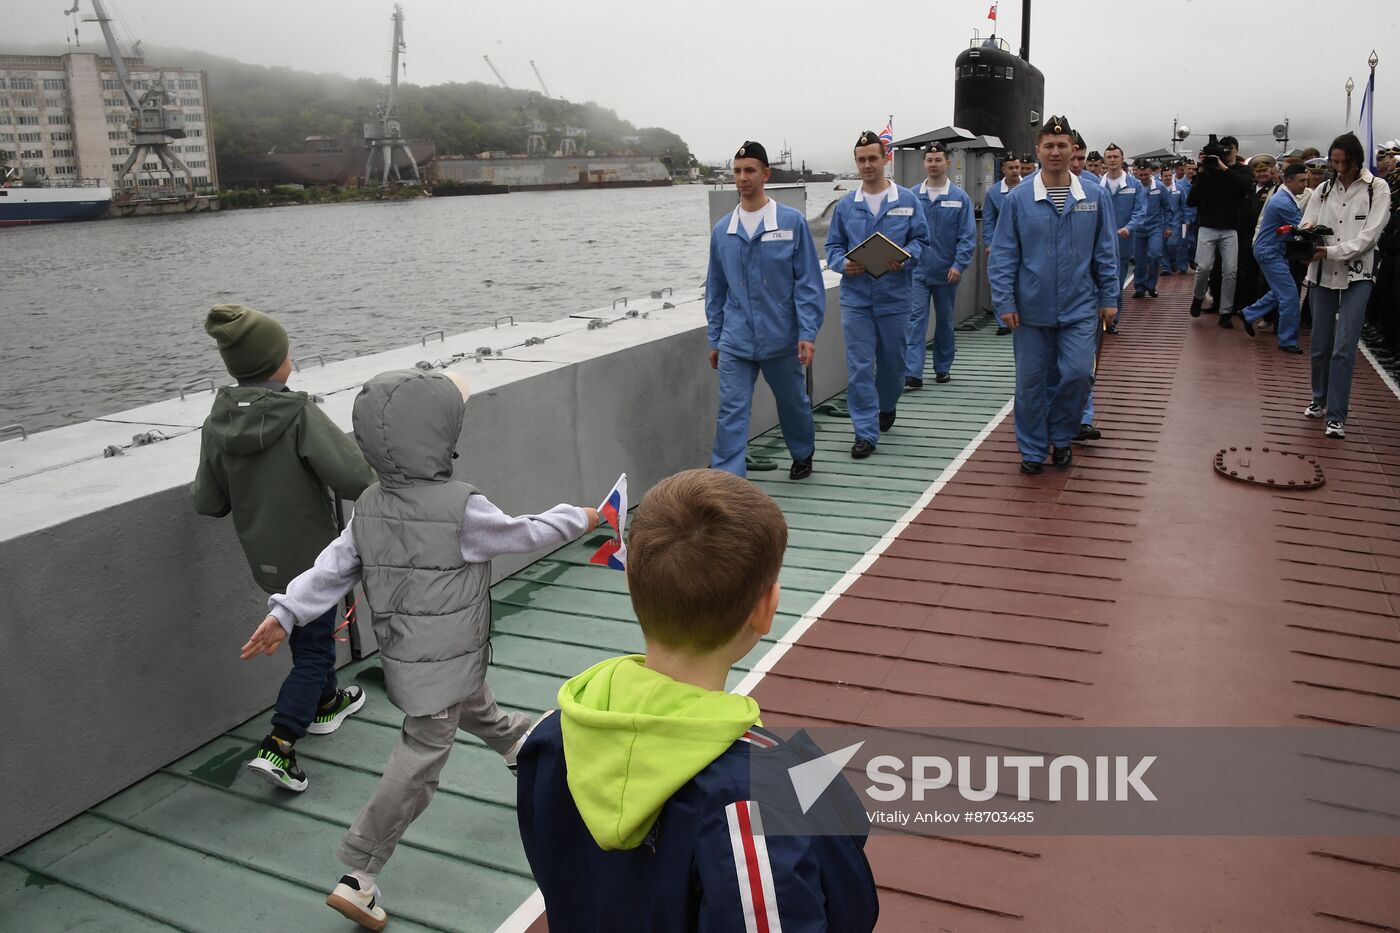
{"type": "Point", "coordinates": [1214, 149]}
{"type": "Point", "coordinates": [1300, 244]}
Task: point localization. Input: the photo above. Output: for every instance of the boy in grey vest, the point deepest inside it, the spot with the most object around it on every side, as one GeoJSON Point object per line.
{"type": "Point", "coordinates": [421, 545]}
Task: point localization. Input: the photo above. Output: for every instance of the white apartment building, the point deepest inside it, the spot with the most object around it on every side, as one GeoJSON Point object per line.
{"type": "Point", "coordinates": [66, 116]}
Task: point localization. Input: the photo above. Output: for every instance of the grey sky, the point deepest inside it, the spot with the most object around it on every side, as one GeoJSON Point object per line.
{"type": "Point", "coordinates": [722, 72]}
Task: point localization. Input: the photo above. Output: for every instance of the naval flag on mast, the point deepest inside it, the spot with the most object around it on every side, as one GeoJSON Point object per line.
{"type": "Point", "coordinates": [887, 138]}
{"type": "Point", "coordinates": [992, 13]}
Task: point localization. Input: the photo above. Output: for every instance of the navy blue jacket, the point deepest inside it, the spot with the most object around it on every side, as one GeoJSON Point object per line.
{"type": "Point", "coordinates": [686, 875]}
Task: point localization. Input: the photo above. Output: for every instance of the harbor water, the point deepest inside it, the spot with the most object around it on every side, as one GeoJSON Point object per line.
{"type": "Point", "coordinates": [100, 317]}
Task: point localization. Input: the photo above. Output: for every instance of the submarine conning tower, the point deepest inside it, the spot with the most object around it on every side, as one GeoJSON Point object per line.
{"type": "Point", "coordinates": [999, 93]}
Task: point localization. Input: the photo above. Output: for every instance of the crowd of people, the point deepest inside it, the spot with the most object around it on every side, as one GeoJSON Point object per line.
{"type": "Point", "coordinates": [634, 803]}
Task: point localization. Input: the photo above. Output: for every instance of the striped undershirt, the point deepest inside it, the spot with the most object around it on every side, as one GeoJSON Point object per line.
{"type": "Point", "coordinates": [1058, 196]}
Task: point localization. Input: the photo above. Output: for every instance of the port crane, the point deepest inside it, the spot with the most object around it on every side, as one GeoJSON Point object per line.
{"type": "Point", "coordinates": [544, 87]}
{"type": "Point", "coordinates": [384, 135]}
{"type": "Point", "coordinates": [497, 72]}
{"type": "Point", "coordinates": [153, 122]}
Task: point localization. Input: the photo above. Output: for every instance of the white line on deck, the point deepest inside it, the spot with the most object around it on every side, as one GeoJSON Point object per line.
{"type": "Point", "coordinates": [530, 911]}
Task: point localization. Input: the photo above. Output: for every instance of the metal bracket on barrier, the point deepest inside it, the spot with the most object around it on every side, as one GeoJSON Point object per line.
{"type": "Point", "coordinates": [597, 323]}
{"type": "Point", "coordinates": [190, 387]}
{"type": "Point", "coordinates": [633, 313]}
{"type": "Point", "coordinates": [616, 300]}
{"type": "Point", "coordinates": [296, 364]}
{"type": "Point", "coordinates": [533, 341]}
{"type": "Point", "coordinates": [667, 306]}
{"type": "Point", "coordinates": [483, 353]}
{"type": "Point", "coordinates": [441, 335]}
{"type": "Point", "coordinates": [508, 317]}
{"type": "Point", "coordinates": [662, 292]}
{"type": "Point", "coordinates": [15, 429]}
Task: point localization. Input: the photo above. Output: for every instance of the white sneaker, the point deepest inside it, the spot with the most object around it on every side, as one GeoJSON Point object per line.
{"type": "Point", "coordinates": [1335, 429]}
{"type": "Point", "coordinates": [359, 906]}
{"type": "Point", "coordinates": [1314, 411]}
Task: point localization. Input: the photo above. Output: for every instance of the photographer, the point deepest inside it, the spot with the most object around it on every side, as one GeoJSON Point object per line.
{"type": "Point", "coordinates": [1355, 206]}
{"type": "Point", "coordinates": [1218, 194]}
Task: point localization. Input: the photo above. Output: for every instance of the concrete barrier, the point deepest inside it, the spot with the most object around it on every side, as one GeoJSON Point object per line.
{"type": "Point", "coordinates": [124, 610]}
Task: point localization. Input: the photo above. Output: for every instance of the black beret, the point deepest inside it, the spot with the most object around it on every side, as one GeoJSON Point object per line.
{"type": "Point", "coordinates": [752, 150]}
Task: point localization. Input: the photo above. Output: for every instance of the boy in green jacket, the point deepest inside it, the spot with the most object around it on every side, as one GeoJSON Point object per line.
{"type": "Point", "coordinates": [268, 456]}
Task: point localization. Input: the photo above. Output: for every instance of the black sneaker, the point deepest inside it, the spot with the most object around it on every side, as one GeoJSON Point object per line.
{"type": "Point", "coordinates": [329, 717]}
{"type": "Point", "coordinates": [1246, 324]}
{"type": "Point", "coordinates": [1062, 456]}
{"type": "Point", "coordinates": [862, 449]}
{"type": "Point", "coordinates": [801, 469]}
{"type": "Point", "coordinates": [276, 763]}
{"type": "Point", "coordinates": [1225, 321]}
{"type": "Point", "coordinates": [1196, 306]}
{"type": "Point", "coordinates": [1087, 432]}
{"type": "Point", "coordinates": [1152, 292]}
{"type": "Point", "coordinates": [1112, 328]}
{"type": "Point", "coordinates": [913, 382]}
{"type": "Point", "coordinates": [1294, 350]}
{"type": "Point", "coordinates": [1032, 467]}
{"type": "Point", "coordinates": [1003, 330]}
{"type": "Point", "coordinates": [942, 377]}
{"type": "Point", "coordinates": [886, 421]}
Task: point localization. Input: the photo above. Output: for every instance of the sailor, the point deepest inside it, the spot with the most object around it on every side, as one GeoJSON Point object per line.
{"type": "Point", "coordinates": [1148, 239]}
{"type": "Point", "coordinates": [1186, 242]}
{"type": "Point", "coordinates": [1127, 214]}
{"type": "Point", "coordinates": [874, 302]}
{"type": "Point", "coordinates": [991, 206]}
{"type": "Point", "coordinates": [1053, 277]}
{"type": "Point", "coordinates": [764, 301]}
{"type": "Point", "coordinates": [1281, 209]}
{"type": "Point", "coordinates": [1094, 163]}
{"type": "Point", "coordinates": [1079, 158]}
{"type": "Point", "coordinates": [952, 235]}
{"type": "Point", "coordinates": [1172, 261]}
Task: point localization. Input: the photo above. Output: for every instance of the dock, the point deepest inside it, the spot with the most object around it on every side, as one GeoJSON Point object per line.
{"type": "Point", "coordinates": [931, 584]}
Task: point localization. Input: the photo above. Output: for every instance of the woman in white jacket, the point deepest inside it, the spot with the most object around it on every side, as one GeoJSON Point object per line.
{"type": "Point", "coordinates": [1356, 206]}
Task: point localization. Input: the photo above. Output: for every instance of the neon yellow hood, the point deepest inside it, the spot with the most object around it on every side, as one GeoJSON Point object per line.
{"type": "Point", "coordinates": [633, 737]}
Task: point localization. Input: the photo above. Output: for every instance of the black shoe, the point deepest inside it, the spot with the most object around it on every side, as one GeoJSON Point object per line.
{"type": "Point", "coordinates": [911, 382]}
{"type": "Point", "coordinates": [1139, 294]}
{"type": "Point", "coordinates": [862, 449]}
{"type": "Point", "coordinates": [1246, 324]}
{"type": "Point", "coordinates": [1226, 323]}
{"type": "Point", "coordinates": [1062, 456]}
{"type": "Point", "coordinates": [1152, 293]}
{"type": "Point", "coordinates": [1112, 328]}
{"type": "Point", "coordinates": [942, 377]}
{"type": "Point", "coordinates": [276, 763]}
{"type": "Point", "coordinates": [1032, 467]}
{"type": "Point", "coordinates": [886, 420]}
{"type": "Point", "coordinates": [1087, 432]}
{"type": "Point", "coordinates": [1294, 350]}
{"type": "Point", "coordinates": [801, 469]}
{"type": "Point", "coordinates": [1003, 330]}
{"type": "Point", "coordinates": [1196, 307]}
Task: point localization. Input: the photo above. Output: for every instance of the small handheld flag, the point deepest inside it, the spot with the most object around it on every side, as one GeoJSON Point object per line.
{"type": "Point", "coordinates": [613, 553]}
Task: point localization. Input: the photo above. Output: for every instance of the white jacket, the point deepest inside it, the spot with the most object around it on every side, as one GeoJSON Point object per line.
{"type": "Point", "coordinates": [1357, 215]}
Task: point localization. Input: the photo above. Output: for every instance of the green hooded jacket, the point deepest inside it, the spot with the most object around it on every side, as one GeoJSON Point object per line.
{"type": "Point", "coordinates": [633, 737]}
{"type": "Point", "coordinates": [268, 457]}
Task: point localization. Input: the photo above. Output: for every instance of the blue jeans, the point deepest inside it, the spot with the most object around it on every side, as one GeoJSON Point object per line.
{"type": "Point", "coordinates": [1337, 317]}
{"type": "Point", "coordinates": [1282, 297]}
{"type": "Point", "coordinates": [874, 366]}
{"type": "Point", "coordinates": [737, 376]}
{"type": "Point", "coordinates": [1209, 240]}
{"type": "Point", "coordinates": [944, 342]}
{"type": "Point", "coordinates": [312, 680]}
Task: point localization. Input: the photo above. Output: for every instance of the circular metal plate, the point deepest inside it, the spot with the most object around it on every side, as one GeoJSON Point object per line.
{"type": "Point", "coordinates": [1262, 466]}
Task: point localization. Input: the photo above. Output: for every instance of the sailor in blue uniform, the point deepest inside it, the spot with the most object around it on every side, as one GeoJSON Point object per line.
{"type": "Point", "coordinates": [874, 302]}
{"type": "Point", "coordinates": [952, 234]}
{"type": "Point", "coordinates": [1122, 190]}
{"type": "Point", "coordinates": [1187, 245]}
{"type": "Point", "coordinates": [1148, 240]}
{"type": "Point", "coordinates": [1054, 274]}
{"type": "Point", "coordinates": [764, 301]}
{"type": "Point", "coordinates": [1172, 257]}
{"type": "Point", "coordinates": [991, 206]}
{"type": "Point", "coordinates": [1280, 210]}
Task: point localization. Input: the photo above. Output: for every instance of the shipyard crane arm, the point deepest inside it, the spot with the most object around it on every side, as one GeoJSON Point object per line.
{"type": "Point", "coordinates": [99, 16]}
{"type": "Point", "coordinates": [497, 72]}
{"type": "Point", "coordinates": [399, 48]}
{"type": "Point", "coordinates": [544, 87]}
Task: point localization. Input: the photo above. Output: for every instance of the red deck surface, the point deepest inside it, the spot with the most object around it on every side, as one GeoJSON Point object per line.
{"type": "Point", "coordinates": [1136, 588]}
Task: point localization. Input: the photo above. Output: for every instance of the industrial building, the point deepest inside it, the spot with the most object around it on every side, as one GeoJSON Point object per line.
{"type": "Point", "coordinates": [67, 117]}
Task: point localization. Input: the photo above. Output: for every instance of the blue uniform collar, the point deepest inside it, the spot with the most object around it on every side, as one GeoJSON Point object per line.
{"type": "Point", "coordinates": [1076, 190]}
{"type": "Point", "coordinates": [769, 222]}
{"type": "Point", "coordinates": [936, 192]}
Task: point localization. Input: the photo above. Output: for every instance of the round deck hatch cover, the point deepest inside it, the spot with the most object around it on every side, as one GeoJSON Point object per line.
{"type": "Point", "coordinates": [1263, 466]}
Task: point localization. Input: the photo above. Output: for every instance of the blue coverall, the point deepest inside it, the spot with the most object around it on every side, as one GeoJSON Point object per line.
{"type": "Point", "coordinates": [1147, 239]}
{"type": "Point", "coordinates": [1176, 212]}
{"type": "Point", "coordinates": [1281, 209]}
{"type": "Point", "coordinates": [991, 209]}
{"type": "Point", "coordinates": [952, 234]}
{"type": "Point", "coordinates": [875, 310]}
{"type": "Point", "coordinates": [1187, 247]}
{"type": "Point", "coordinates": [1127, 212]}
{"type": "Point", "coordinates": [1055, 269]}
{"type": "Point", "coordinates": [763, 294]}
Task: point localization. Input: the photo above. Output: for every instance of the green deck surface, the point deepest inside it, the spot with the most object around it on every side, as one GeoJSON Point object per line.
{"type": "Point", "coordinates": [203, 846]}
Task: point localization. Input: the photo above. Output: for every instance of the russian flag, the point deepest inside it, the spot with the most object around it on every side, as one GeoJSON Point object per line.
{"type": "Point", "coordinates": [614, 511]}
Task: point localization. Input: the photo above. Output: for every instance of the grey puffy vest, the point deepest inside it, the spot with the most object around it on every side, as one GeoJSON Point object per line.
{"type": "Point", "coordinates": [430, 609]}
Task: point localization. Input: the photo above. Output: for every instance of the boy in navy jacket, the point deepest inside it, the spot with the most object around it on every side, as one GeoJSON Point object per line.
{"type": "Point", "coordinates": [635, 804]}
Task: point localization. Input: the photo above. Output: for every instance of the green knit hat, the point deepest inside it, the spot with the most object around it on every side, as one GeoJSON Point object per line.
{"type": "Point", "coordinates": [252, 344]}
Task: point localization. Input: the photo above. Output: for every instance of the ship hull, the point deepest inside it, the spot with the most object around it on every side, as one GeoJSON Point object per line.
{"type": "Point", "coordinates": [20, 207]}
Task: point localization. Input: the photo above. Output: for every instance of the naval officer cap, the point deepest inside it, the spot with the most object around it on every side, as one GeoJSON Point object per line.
{"type": "Point", "coordinates": [1296, 168]}
{"type": "Point", "coordinates": [753, 150]}
{"type": "Point", "coordinates": [869, 138]}
{"type": "Point", "coordinates": [935, 146]}
{"type": "Point", "coordinates": [1057, 126]}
